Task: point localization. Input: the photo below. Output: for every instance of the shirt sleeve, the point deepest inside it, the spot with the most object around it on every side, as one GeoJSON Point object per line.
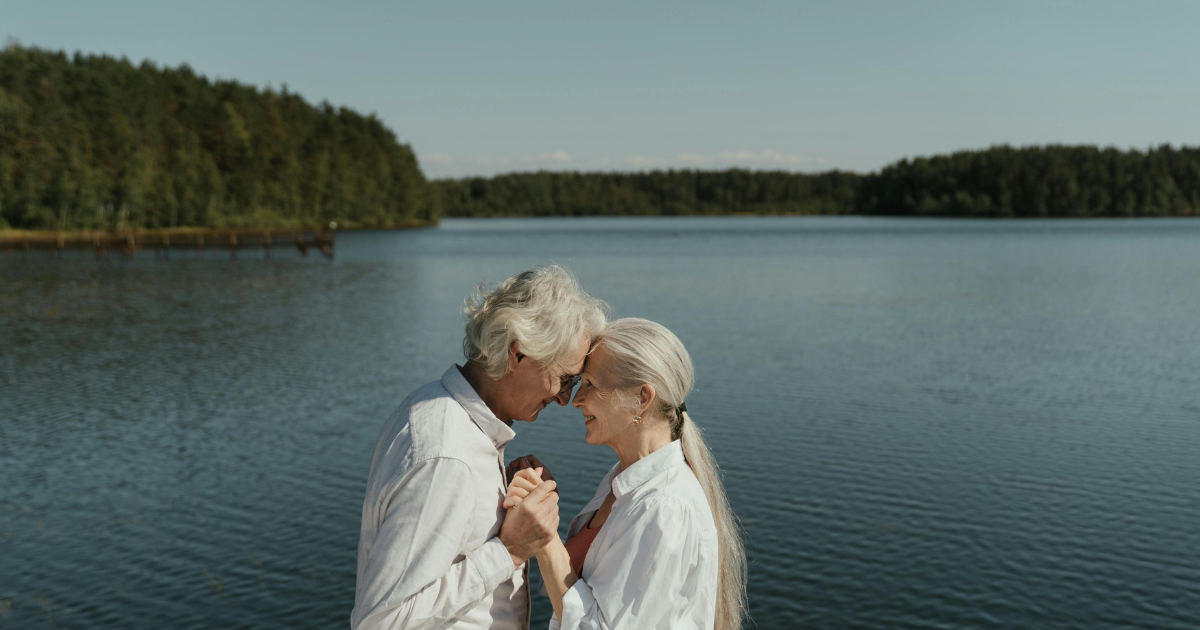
{"type": "Point", "coordinates": [651, 576]}
{"type": "Point", "coordinates": [415, 574]}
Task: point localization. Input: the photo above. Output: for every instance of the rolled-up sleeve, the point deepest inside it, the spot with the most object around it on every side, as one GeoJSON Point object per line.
{"type": "Point", "coordinates": [649, 578]}
{"type": "Point", "coordinates": [414, 577]}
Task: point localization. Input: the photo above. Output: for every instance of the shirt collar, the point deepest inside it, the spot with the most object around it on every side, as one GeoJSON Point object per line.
{"type": "Point", "coordinates": [498, 432]}
{"type": "Point", "coordinates": [647, 468]}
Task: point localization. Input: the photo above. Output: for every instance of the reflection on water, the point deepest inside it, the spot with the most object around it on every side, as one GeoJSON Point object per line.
{"type": "Point", "coordinates": [923, 423]}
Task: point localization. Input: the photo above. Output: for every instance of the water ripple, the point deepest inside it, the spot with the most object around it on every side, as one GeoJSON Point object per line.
{"type": "Point", "coordinates": [922, 424]}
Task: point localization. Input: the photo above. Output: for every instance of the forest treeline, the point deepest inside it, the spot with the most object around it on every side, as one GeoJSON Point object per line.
{"type": "Point", "coordinates": [93, 142]}
{"type": "Point", "coordinates": [1003, 181]}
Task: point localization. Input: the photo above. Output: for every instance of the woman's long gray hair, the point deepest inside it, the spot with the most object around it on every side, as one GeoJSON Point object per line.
{"type": "Point", "coordinates": [645, 352]}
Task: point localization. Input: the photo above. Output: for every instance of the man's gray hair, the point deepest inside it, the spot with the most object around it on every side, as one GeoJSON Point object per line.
{"type": "Point", "coordinates": [544, 310]}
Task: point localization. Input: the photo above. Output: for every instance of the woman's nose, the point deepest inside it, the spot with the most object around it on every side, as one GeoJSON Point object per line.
{"type": "Point", "coordinates": [578, 400]}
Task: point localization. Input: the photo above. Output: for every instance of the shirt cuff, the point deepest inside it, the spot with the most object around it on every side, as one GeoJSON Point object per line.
{"type": "Point", "coordinates": [577, 601]}
{"type": "Point", "coordinates": [493, 563]}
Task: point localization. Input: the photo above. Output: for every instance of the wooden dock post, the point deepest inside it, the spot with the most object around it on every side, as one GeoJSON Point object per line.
{"type": "Point", "coordinates": [325, 240]}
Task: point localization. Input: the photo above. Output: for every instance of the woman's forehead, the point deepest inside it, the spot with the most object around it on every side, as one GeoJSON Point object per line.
{"type": "Point", "coordinates": [596, 361]}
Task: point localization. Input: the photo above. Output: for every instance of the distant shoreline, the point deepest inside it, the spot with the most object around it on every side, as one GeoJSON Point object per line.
{"type": "Point", "coordinates": [998, 182]}
{"type": "Point", "coordinates": [814, 216]}
{"type": "Point", "coordinates": [15, 234]}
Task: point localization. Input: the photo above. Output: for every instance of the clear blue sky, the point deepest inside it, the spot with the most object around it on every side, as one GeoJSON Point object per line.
{"type": "Point", "coordinates": [485, 87]}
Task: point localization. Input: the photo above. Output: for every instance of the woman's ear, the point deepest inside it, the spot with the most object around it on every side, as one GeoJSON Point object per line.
{"type": "Point", "coordinates": [646, 396]}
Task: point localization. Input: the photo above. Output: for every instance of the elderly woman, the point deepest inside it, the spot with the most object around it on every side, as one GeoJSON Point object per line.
{"type": "Point", "coordinates": [657, 546]}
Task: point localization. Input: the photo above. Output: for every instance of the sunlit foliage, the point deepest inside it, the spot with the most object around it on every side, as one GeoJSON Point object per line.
{"type": "Point", "coordinates": [96, 142]}
{"type": "Point", "coordinates": [1051, 181]}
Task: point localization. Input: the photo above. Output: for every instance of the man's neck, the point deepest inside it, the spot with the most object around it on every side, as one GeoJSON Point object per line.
{"type": "Point", "coordinates": [486, 387]}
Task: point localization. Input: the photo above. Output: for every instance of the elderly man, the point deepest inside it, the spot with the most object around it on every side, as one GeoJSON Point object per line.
{"type": "Point", "coordinates": [435, 549]}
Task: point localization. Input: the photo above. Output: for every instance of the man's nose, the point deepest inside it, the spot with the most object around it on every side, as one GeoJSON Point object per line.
{"type": "Point", "coordinates": [563, 397]}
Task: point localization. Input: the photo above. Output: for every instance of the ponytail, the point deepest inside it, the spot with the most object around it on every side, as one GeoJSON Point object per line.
{"type": "Point", "coordinates": [731, 570]}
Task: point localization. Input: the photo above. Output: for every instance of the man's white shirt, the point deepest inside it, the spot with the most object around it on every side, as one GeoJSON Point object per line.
{"type": "Point", "coordinates": [429, 555]}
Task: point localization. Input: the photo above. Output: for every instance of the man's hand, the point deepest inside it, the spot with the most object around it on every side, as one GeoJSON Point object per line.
{"type": "Point", "coordinates": [532, 524]}
{"type": "Point", "coordinates": [528, 461]}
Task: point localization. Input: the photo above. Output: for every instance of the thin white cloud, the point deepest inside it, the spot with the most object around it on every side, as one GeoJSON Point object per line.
{"type": "Point", "coordinates": [436, 161]}
{"type": "Point", "coordinates": [642, 161]}
{"type": "Point", "coordinates": [558, 156]}
{"type": "Point", "coordinates": [761, 159]}
{"type": "Point", "coordinates": [768, 159]}
{"type": "Point", "coordinates": [736, 156]}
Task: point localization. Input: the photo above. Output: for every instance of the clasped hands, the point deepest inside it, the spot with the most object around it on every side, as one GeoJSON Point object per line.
{"type": "Point", "coordinates": [531, 522]}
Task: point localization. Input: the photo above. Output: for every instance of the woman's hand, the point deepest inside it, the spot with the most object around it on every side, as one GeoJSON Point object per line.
{"type": "Point", "coordinates": [553, 560]}
{"type": "Point", "coordinates": [522, 484]}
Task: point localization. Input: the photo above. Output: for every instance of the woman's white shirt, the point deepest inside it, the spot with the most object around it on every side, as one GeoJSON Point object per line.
{"type": "Point", "coordinates": [654, 562]}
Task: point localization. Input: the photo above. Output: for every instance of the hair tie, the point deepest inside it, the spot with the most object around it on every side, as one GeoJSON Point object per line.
{"type": "Point", "coordinates": [680, 409]}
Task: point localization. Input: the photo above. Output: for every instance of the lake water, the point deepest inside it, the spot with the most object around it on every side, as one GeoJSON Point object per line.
{"type": "Point", "coordinates": [923, 423]}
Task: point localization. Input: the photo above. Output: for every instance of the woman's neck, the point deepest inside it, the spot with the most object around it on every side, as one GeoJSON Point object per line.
{"type": "Point", "coordinates": [641, 443]}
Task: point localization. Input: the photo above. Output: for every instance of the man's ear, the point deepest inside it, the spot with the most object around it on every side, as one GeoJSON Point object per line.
{"type": "Point", "coordinates": [514, 356]}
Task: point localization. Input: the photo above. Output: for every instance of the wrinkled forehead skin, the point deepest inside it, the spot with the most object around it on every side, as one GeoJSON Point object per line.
{"type": "Point", "coordinates": [574, 364]}
{"type": "Point", "coordinates": [596, 367]}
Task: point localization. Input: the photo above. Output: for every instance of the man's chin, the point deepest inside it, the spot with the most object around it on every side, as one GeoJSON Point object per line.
{"type": "Point", "coordinates": [534, 416]}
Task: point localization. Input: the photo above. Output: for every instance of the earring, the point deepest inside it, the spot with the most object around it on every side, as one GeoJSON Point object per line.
{"type": "Point", "coordinates": [637, 419]}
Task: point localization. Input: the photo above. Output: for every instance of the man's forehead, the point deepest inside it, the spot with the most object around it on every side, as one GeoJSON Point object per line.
{"type": "Point", "coordinates": [575, 364]}
{"type": "Point", "coordinates": [578, 365]}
